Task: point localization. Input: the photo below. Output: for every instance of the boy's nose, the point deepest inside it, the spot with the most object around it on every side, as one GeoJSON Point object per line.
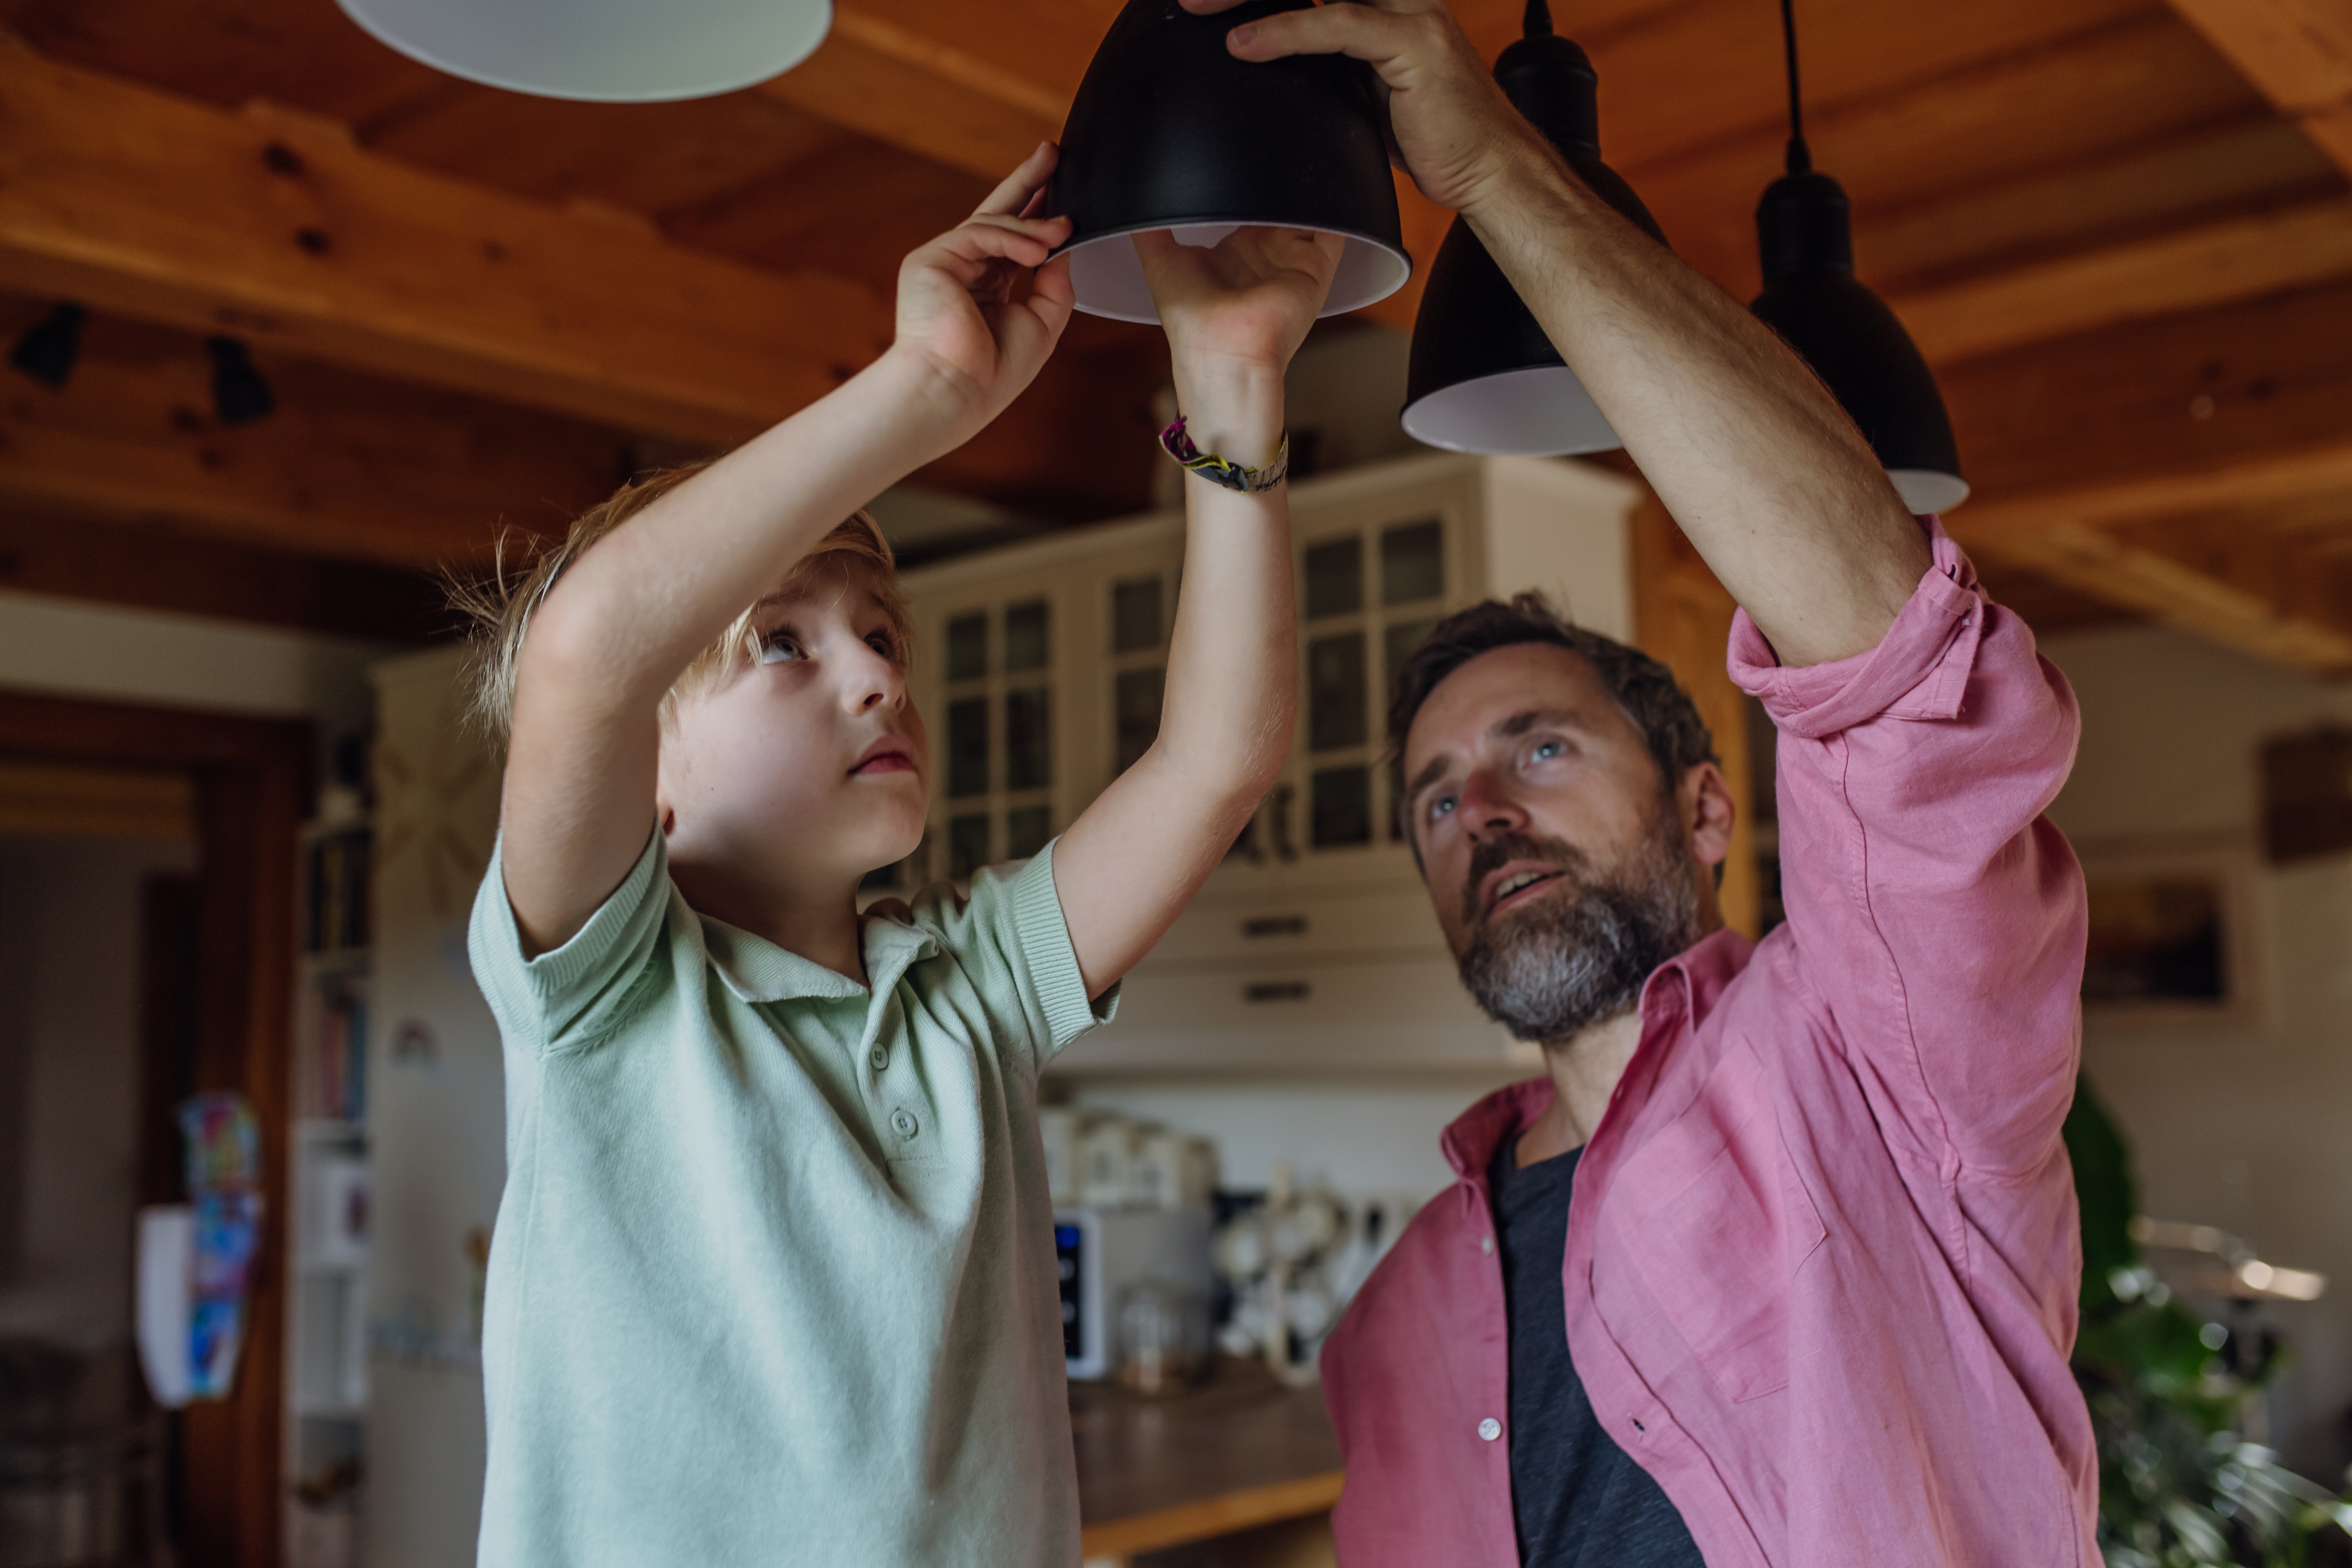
{"type": "Point", "coordinates": [873, 682]}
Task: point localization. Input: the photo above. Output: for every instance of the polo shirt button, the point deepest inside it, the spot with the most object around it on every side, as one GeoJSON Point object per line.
{"type": "Point", "coordinates": [1487, 1245]}
{"type": "Point", "coordinates": [903, 1124]}
{"type": "Point", "coordinates": [1490, 1429]}
{"type": "Point", "coordinates": [880, 1056]}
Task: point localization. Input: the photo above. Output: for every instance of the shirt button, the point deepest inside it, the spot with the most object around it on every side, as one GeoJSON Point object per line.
{"type": "Point", "coordinates": [880, 1056]}
{"type": "Point", "coordinates": [1487, 1245]}
{"type": "Point", "coordinates": [1490, 1429]}
{"type": "Point", "coordinates": [903, 1124]}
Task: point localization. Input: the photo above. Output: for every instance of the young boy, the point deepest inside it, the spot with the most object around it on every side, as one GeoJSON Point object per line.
{"type": "Point", "coordinates": [773, 1278]}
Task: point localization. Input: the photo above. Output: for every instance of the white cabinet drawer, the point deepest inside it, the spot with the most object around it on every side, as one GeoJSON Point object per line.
{"type": "Point", "coordinates": [1343, 1013]}
{"type": "Point", "coordinates": [1275, 926]}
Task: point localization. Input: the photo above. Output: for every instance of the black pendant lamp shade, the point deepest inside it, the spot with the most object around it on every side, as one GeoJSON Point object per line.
{"type": "Point", "coordinates": [1853, 341]}
{"type": "Point", "coordinates": [1170, 130]}
{"type": "Point", "coordinates": [1482, 376]}
{"type": "Point", "coordinates": [1811, 297]}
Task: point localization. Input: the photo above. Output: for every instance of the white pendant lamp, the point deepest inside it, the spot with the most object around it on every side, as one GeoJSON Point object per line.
{"type": "Point", "coordinates": [607, 51]}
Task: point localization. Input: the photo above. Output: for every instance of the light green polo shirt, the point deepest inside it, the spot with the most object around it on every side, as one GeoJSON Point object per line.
{"type": "Point", "coordinates": [774, 1277]}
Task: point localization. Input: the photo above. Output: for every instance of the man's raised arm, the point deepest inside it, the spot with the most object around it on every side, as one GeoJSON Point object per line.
{"type": "Point", "coordinates": [1758, 463]}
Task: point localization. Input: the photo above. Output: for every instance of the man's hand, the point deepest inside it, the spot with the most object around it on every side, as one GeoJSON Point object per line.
{"type": "Point", "coordinates": [1760, 467]}
{"type": "Point", "coordinates": [1451, 125]}
{"type": "Point", "coordinates": [964, 312]}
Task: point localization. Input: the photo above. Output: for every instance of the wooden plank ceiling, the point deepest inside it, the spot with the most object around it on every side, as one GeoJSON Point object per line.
{"type": "Point", "coordinates": [2120, 228]}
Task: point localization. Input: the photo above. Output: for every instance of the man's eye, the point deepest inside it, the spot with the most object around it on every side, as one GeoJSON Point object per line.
{"type": "Point", "coordinates": [1442, 806]}
{"type": "Point", "coordinates": [780, 647]}
{"type": "Point", "coordinates": [1546, 750]}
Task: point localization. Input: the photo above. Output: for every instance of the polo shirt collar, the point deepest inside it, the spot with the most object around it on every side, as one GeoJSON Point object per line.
{"type": "Point", "coordinates": [757, 970]}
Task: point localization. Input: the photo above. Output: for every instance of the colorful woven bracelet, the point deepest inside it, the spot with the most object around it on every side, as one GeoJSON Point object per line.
{"type": "Point", "coordinates": [1223, 470]}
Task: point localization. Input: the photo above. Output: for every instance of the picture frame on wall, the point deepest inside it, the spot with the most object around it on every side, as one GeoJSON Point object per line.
{"type": "Point", "coordinates": [2172, 936]}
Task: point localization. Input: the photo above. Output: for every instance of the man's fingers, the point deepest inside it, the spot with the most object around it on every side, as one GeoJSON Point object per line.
{"type": "Point", "coordinates": [1212, 7]}
{"type": "Point", "coordinates": [1022, 185]}
{"type": "Point", "coordinates": [1364, 32]}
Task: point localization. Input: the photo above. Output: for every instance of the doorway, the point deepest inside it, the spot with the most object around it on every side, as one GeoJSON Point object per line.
{"type": "Point", "coordinates": [147, 936]}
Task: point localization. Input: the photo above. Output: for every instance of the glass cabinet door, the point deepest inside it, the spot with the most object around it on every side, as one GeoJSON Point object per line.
{"type": "Point", "coordinates": [993, 742]}
{"type": "Point", "coordinates": [1369, 596]}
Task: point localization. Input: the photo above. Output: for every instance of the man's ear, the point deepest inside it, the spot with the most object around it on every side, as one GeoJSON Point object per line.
{"type": "Point", "coordinates": [1708, 812]}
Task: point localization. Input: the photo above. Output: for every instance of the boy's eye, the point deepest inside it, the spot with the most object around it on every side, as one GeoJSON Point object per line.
{"type": "Point", "coordinates": [884, 644]}
{"type": "Point", "coordinates": [780, 647]}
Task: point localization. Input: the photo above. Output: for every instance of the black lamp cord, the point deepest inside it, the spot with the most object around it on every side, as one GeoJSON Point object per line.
{"type": "Point", "coordinates": [1800, 157]}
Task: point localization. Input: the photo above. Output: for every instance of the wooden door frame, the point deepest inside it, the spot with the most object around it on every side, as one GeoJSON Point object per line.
{"type": "Point", "coordinates": [252, 778]}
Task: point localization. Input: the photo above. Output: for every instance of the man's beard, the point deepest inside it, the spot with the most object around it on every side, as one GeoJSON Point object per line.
{"type": "Point", "coordinates": [1578, 955]}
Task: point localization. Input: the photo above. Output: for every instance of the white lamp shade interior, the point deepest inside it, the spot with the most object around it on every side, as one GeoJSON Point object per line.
{"type": "Point", "coordinates": [1927, 492]}
{"type": "Point", "coordinates": [1541, 412]}
{"type": "Point", "coordinates": [614, 51]}
{"type": "Point", "coordinates": [1108, 279]}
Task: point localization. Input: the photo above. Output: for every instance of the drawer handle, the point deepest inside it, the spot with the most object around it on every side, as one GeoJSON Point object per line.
{"type": "Point", "coordinates": [1276, 991]}
{"type": "Point", "coordinates": [1275, 925]}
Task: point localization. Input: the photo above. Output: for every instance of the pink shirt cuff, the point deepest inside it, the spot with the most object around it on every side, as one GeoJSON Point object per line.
{"type": "Point", "coordinates": [1918, 670]}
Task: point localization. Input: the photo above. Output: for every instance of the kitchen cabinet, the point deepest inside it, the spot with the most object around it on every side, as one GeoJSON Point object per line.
{"type": "Point", "coordinates": [1040, 666]}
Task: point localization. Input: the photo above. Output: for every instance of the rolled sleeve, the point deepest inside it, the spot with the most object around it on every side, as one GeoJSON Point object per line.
{"type": "Point", "coordinates": [1918, 670]}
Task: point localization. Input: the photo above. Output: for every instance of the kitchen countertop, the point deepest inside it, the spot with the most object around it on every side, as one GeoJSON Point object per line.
{"type": "Point", "coordinates": [1240, 1451]}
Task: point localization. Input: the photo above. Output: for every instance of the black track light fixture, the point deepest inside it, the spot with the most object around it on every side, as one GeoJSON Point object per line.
{"type": "Point", "coordinates": [1168, 131]}
{"type": "Point", "coordinates": [1854, 342]}
{"type": "Point", "coordinates": [240, 395]}
{"type": "Point", "coordinates": [1482, 376]}
{"type": "Point", "coordinates": [47, 350]}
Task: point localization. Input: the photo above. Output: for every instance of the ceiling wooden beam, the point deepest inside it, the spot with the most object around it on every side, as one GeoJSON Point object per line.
{"type": "Point", "coordinates": [2088, 454]}
{"type": "Point", "coordinates": [279, 229]}
{"type": "Point", "coordinates": [2298, 52]}
{"type": "Point", "coordinates": [2212, 263]}
{"type": "Point", "coordinates": [2216, 395]}
{"type": "Point", "coordinates": [73, 554]}
{"type": "Point", "coordinates": [2241, 611]}
{"type": "Point", "coordinates": [349, 468]}
{"type": "Point", "coordinates": [910, 91]}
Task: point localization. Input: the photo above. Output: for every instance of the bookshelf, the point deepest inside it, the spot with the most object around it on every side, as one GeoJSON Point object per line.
{"type": "Point", "coordinates": [326, 1340]}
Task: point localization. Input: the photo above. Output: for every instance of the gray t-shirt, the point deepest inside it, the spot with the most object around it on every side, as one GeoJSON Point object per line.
{"type": "Point", "coordinates": [773, 1275]}
{"type": "Point", "coordinates": [1578, 1500]}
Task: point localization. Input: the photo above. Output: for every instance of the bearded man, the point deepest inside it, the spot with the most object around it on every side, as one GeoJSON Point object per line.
{"type": "Point", "coordinates": [1777, 1263]}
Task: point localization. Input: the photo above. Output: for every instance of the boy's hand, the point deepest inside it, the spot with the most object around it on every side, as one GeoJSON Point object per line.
{"type": "Point", "coordinates": [1234, 314]}
{"type": "Point", "coordinates": [963, 310]}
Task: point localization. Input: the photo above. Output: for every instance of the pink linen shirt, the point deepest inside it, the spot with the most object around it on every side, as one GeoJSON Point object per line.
{"type": "Point", "coordinates": [1822, 1255]}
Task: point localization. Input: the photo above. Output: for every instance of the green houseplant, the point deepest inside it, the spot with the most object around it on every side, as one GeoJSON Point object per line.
{"type": "Point", "coordinates": [2178, 1487]}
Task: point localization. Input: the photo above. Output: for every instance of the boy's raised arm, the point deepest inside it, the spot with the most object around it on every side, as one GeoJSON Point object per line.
{"type": "Point", "coordinates": [1134, 858]}
{"type": "Point", "coordinates": [624, 621]}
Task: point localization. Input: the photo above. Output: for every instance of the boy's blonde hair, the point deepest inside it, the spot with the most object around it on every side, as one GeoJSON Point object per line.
{"type": "Point", "coordinates": [498, 607]}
